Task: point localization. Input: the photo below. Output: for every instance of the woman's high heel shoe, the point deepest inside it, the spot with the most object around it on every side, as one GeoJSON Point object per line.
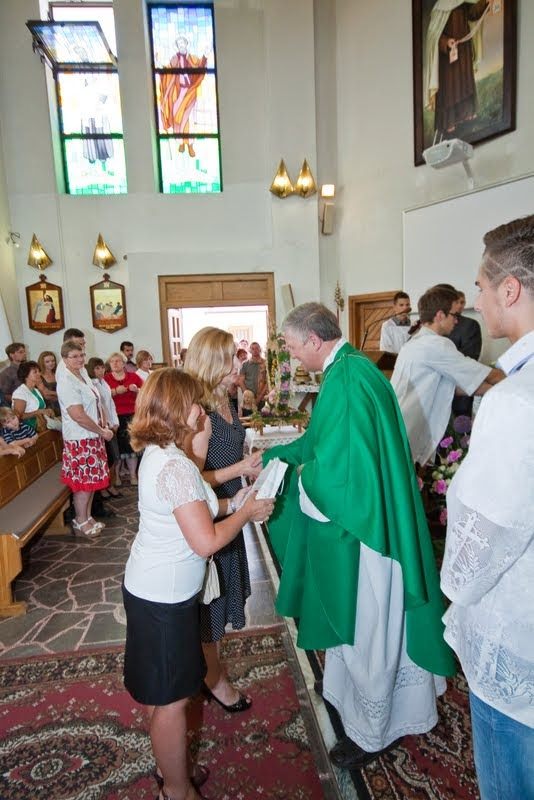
{"type": "Point", "coordinates": [241, 704]}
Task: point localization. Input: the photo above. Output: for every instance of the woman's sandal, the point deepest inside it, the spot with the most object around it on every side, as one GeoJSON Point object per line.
{"type": "Point", "coordinates": [243, 703]}
{"type": "Point", "coordinates": [95, 524]}
{"type": "Point", "coordinates": [198, 778]}
{"type": "Point", "coordinates": [81, 527]}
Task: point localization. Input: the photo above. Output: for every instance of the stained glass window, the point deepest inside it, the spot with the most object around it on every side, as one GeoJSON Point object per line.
{"type": "Point", "coordinates": [185, 88]}
{"type": "Point", "coordinates": [79, 46]}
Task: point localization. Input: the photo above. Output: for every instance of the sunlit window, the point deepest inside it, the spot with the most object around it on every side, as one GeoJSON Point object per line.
{"type": "Point", "coordinates": [185, 89]}
{"type": "Point", "coordinates": [79, 46]}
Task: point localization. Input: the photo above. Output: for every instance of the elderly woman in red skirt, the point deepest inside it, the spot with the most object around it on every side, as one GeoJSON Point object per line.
{"type": "Point", "coordinates": [85, 464]}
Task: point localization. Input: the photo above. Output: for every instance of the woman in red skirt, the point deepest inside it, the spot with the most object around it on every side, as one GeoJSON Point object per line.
{"type": "Point", "coordinates": [85, 464]}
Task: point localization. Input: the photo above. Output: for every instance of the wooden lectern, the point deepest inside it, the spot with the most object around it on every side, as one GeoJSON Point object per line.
{"type": "Point", "coordinates": [384, 361]}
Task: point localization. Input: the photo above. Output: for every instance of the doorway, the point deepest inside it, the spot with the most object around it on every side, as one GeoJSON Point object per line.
{"type": "Point", "coordinates": [189, 302]}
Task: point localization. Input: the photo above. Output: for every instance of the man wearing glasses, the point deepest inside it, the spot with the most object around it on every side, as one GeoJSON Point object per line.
{"type": "Point", "coordinates": [429, 370]}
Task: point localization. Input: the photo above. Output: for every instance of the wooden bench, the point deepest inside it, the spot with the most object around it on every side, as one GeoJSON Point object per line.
{"type": "Point", "coordinates": [31, 497]}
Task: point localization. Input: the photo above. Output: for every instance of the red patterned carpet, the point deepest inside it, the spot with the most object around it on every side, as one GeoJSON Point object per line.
{"type": "Point", "coordinates": [436, 766]}
{"type": "Point", "coordinates": [69, 730]}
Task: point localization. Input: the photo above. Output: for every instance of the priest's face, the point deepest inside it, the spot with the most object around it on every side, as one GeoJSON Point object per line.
{"type": "Point", "coordinates": [304, 350]}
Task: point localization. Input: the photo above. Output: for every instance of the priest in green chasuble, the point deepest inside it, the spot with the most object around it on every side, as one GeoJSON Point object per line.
{"type": "Point", "coordinates": [349, 531]}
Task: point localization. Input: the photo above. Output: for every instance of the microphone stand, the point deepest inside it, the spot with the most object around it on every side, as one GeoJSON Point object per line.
{"type": "Point", "coordinates": [372, 325]}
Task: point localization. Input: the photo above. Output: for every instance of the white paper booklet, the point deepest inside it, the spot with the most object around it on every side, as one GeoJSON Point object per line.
{"type": "Point", "coordinates": [270, 478]}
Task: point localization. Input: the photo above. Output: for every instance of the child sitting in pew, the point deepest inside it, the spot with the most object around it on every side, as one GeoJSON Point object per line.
{"type": "Point", "coordinates": [13, 431]}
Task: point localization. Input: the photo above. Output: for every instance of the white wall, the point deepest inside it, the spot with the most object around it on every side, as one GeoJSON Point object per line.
{"type": "Point", "coordinates": [267, 104]}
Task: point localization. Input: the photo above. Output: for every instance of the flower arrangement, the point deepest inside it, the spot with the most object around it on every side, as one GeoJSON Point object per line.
{"type": "Point", "coordinates": [451, 451]}
{"type": "Point", "coordinates": [276, 410]}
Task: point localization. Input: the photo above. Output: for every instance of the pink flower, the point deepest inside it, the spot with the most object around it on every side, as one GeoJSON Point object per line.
{"type": "Point", "coordinates": [420, 483]}
{"type": "Point", "coordinates": [454, 455]}
{"type": "Point", "coordinates": [446, 442]}
{"type": "Point", "coordinates": [440, 487]}
{"type": "Point", "coordinates": [464, 441]}
{"type": "Point", "coordinates": [443, 517]}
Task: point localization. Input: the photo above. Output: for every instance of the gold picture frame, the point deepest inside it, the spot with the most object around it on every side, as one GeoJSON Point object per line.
{"type": "Point", "coordinates": [44, 302]}
{"type": "Point", "coordinates": [108, 305]}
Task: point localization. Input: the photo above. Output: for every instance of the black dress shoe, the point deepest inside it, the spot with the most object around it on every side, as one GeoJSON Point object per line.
{"type": "Point", "coordinates": [346, 754]}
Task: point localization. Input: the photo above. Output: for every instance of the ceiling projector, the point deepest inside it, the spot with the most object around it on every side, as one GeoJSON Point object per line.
{"type": "Point", "coordinates": [447, 152]}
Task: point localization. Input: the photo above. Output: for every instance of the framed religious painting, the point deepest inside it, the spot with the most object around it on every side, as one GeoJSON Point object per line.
{"type": "Point", "coordinates": [108, 305]}
{"type": "Point", "coordinates": [44, 301]}
{"type": "Point", "coordinates": [464, 70]}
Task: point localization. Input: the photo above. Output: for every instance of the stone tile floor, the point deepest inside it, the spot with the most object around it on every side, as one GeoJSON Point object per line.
{"type": "Point", "coordinates": [73, 588]}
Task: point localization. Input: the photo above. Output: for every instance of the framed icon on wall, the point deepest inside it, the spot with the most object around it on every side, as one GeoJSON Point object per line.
{"type": "Point", "coordinates": [108, 305]}
{"type": "Point", "coordinates": [464, 70]}
{"type": "Point", "coordinates": [44, 302]}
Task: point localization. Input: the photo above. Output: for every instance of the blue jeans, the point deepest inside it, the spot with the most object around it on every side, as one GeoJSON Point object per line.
{"type": "Point", "coordinates": [504, 753]}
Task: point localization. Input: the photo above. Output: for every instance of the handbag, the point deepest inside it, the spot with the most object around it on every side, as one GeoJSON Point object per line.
{"type": "Point", "coordinates": [211, 588]}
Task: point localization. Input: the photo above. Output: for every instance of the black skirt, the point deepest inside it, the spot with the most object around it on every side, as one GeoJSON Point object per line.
{"type": "Point", "coordinates": [163, 659]}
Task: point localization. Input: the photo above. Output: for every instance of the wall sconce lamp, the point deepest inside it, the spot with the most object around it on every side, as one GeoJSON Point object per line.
{"type": "Point", "coordinates": [13, 238]}
{"type": "Point", "coordinates": [281, 185]}
{"type": "Point", "coordinates": [328, 191]}
{"type": "Point", "coordinates": [305, 185]}
{"type": "Point", "coordinates": [38, 257]}
{"type": "Point", "coordinates": [103, 257]}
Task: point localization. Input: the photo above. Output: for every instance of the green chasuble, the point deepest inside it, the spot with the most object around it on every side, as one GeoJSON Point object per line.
{"type": "Point", "coordinates": [357, 470]}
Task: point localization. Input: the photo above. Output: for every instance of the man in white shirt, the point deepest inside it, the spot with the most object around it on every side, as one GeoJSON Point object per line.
{"type": "Point", "coordinates": [394, 331]}
{"type": "Point", "coordinates": [428, 371]}
{"type": "Point", "coordinates": [489, 553]}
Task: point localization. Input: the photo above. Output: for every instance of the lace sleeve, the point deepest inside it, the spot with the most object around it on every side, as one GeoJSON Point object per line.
{"type": "Point", "coordinates": [179, 482]}
{"type": "Point", "coordinates": [478, 553]}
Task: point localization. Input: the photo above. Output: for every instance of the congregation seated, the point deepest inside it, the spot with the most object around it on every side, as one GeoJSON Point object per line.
{"type": "Point", "coordinates": [28, 402]}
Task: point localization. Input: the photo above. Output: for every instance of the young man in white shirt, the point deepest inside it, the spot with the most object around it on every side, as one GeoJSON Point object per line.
{"type": "Point", "coordinates": [428, 371]}
{"type": "Point", "coordinates": [394, 331]}
{"type": "Point", "coordinates": [489, 553]}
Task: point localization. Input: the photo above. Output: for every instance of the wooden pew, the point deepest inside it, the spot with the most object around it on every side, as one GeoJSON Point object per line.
{"type": "Point", "coordinates": [31, 497]}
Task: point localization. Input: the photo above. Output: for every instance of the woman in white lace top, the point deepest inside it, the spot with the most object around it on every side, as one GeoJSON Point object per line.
{"type": "Point", "coordinates": [164, 664]}
{"type": "Point", "coordinates": [488, 569]}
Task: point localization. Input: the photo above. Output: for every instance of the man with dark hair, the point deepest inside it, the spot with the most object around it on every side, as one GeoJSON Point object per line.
{"type": "Point", "coordinates": [78, 336]}
{"type": "Point", "coordinates": [394, 331]}
{"type": "Point", "coordinates": [16, 353]}
{"type": "Point", "coordinates": [489, 552]}
{"type": "Point", "coordinates": [466, 334]}
{"type": "Point", "coordinates": [429, 370]}
{"type": "Point", "coordinates": [127, 349]}
{"type": "Point", "coordinates": [350, 533]}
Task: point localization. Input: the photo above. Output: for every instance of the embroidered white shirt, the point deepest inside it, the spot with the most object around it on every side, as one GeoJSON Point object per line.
{"type": "Point", "coordinates": [488, 566]}
{"type": "Point", "coordinates": [162, 567]}
{"type": "Point", "coordinates": [427, 371]}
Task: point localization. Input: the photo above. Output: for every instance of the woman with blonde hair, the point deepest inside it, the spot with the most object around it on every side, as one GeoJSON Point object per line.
{"type": "Point", "coordinates": [163, 663]}
{"type": "Point", "coordinates": [218, 452]}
